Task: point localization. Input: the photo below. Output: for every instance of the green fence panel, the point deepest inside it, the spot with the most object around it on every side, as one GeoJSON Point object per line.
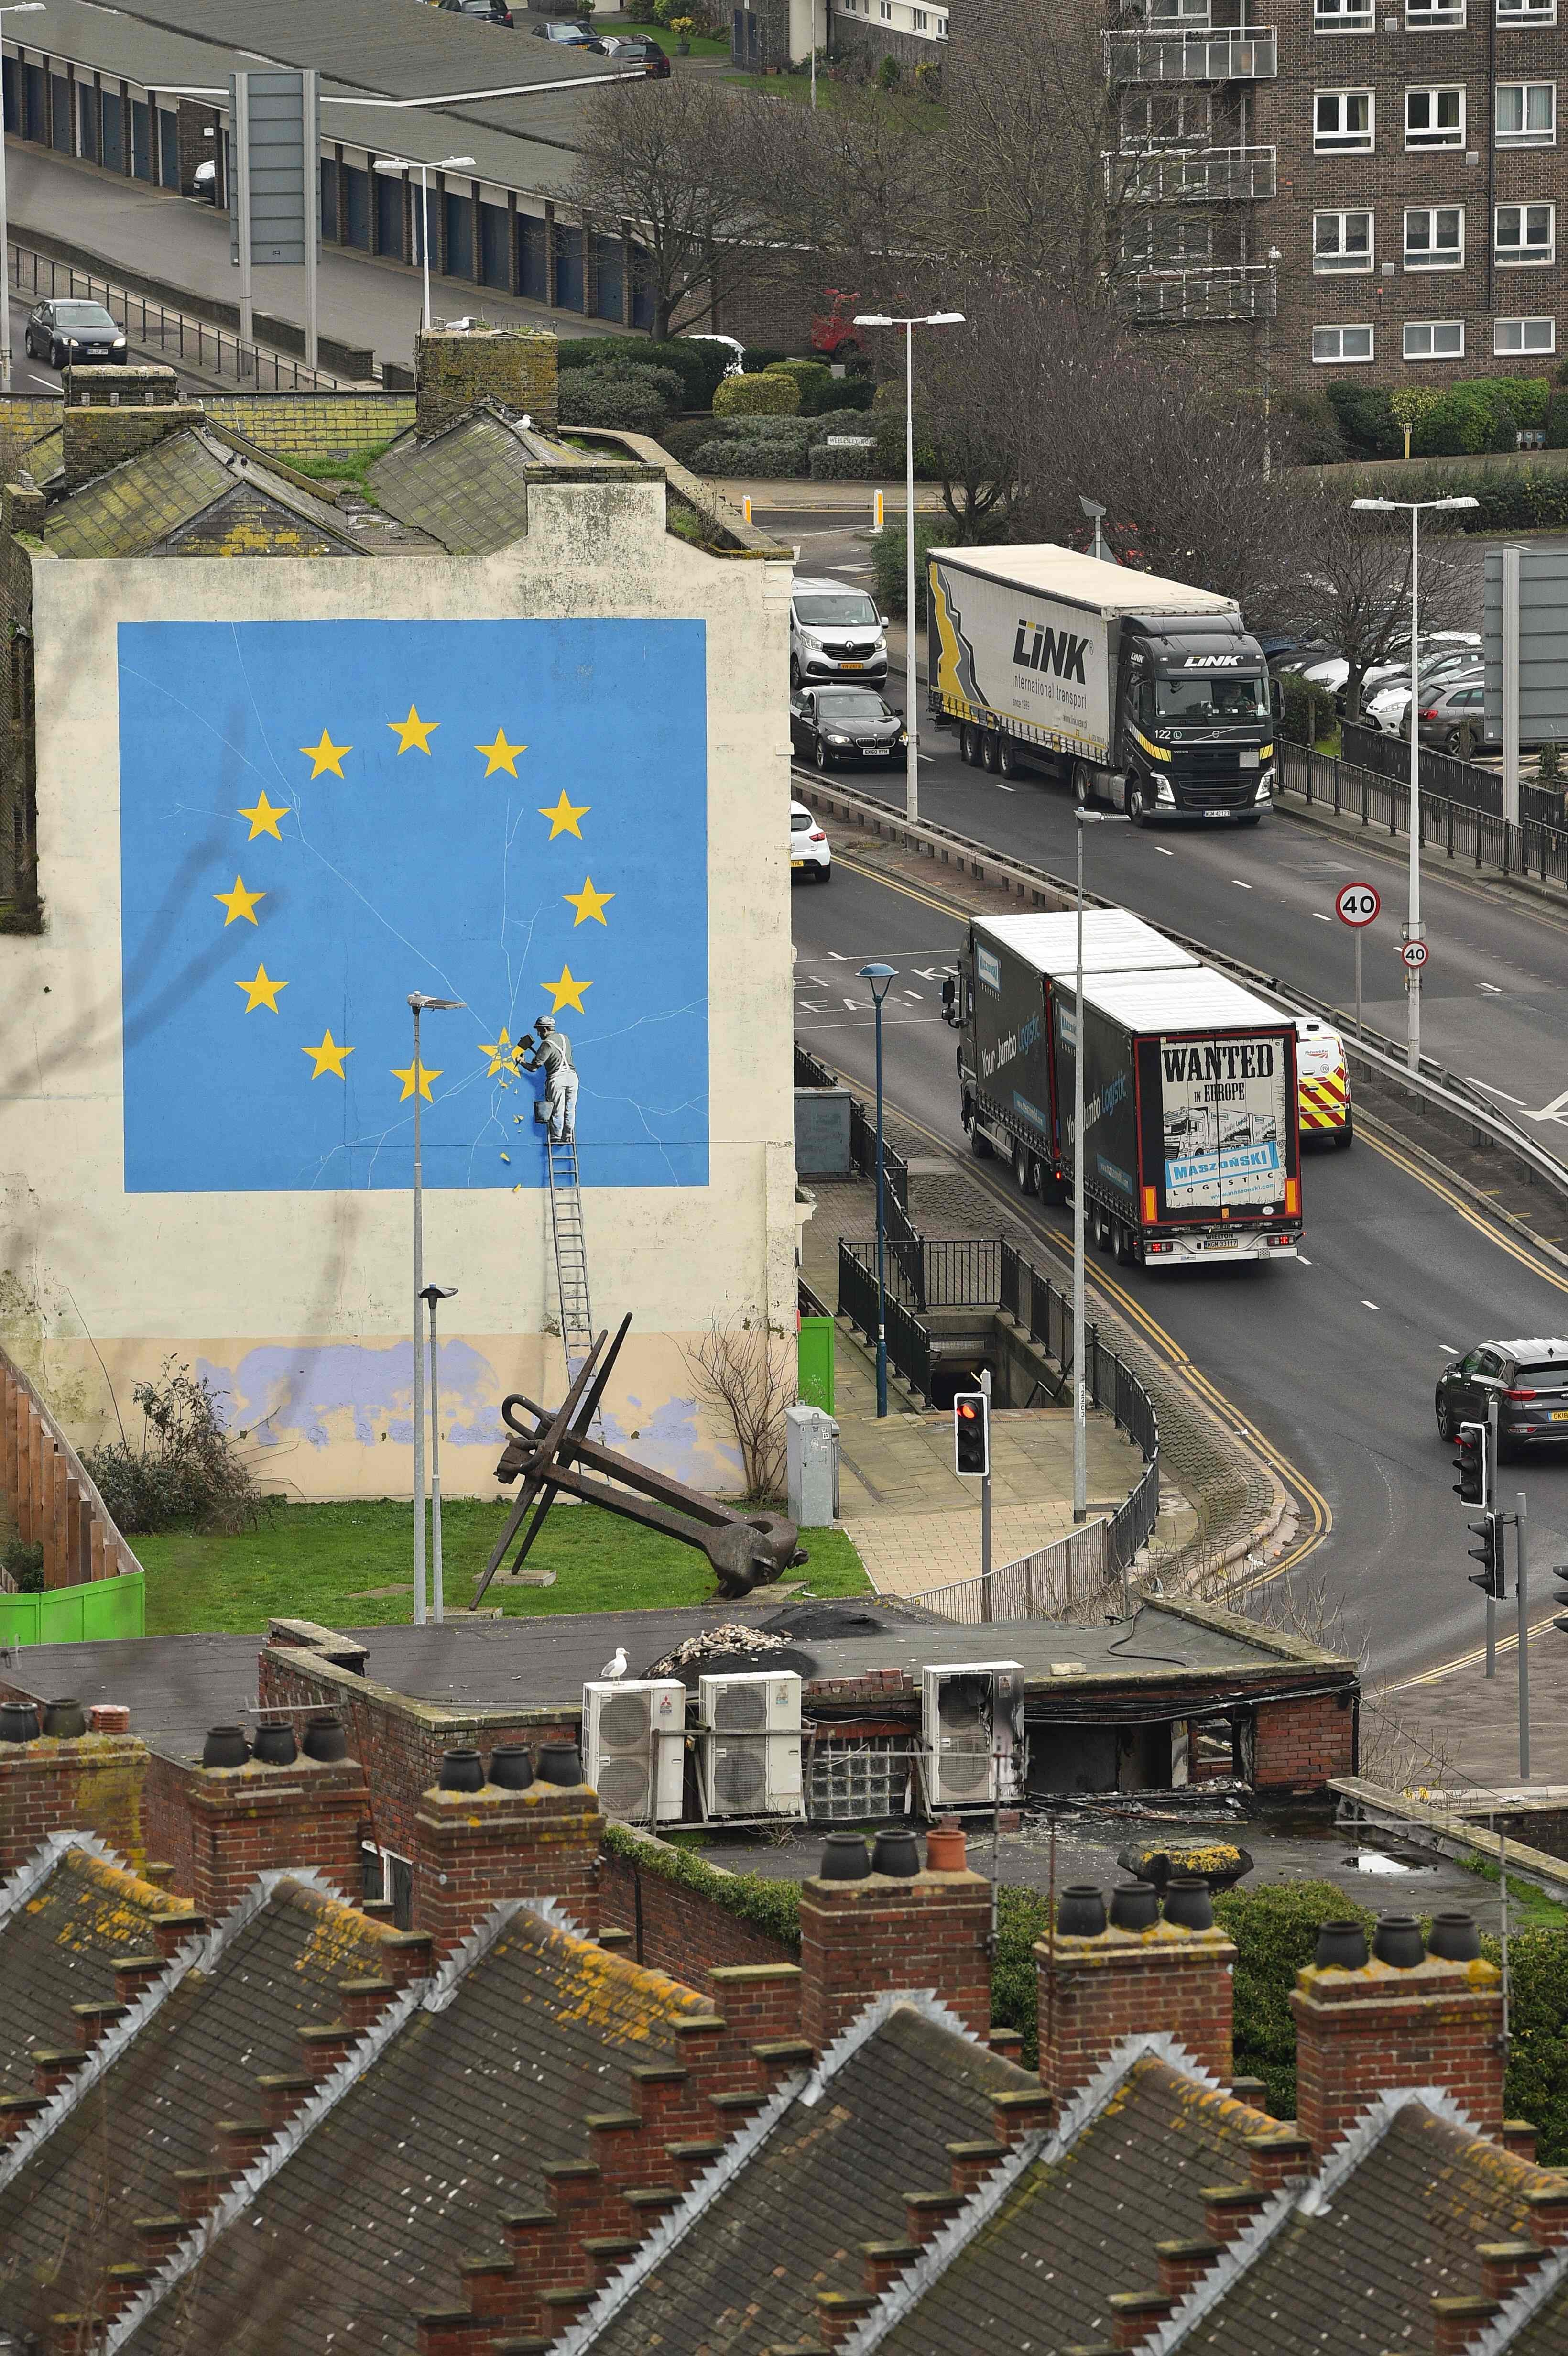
{"type": "Point", "coordinates": [76, 1615]}
{"type": "Point", "coordinates": [815, 1376]}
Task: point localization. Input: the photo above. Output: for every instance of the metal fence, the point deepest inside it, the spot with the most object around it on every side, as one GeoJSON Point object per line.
{"type": "Point", "coordinates": [811, 1072]}
{"type": "Point", "coordinates": [1480, 837]}
{"type": "Point", "coordinates": [217, 352]}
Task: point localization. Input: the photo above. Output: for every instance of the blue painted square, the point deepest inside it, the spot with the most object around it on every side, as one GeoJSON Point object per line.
{"type": "Point", "coordinates": [317, 819]}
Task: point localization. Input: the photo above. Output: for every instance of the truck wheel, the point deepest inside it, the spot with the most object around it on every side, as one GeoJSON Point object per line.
{"type": "Point", "coordinates": [1345, 1138]}
{"type": "Point", "coordinates": [1081, 782]}
{"type": "Point", "coordinates": [980, 1147]}
{"type": "Point", "coordinates": [989, 751]}
{"type": "Point", "coordinates": [1007, 757]}
{"type": "Point", "coordinates": [968, 748]}
{"type": "Point", "coordinates": [1137, 810]}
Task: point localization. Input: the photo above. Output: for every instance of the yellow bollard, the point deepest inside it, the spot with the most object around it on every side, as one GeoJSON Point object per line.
{"type": "Point", "coordinates": [876, 509]}
{"type": "Point", "coordinates": [746, 507]}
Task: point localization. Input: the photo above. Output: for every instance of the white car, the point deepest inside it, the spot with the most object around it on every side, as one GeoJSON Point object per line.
{"type": "Point", "coordinates": [1386, 708]}
{"type": "Point", "coordinates": [835, 632]}
{"type": "Point", "coordinates": [1334, 671]}
{"type": "Point", "coordinates": [810, 853]}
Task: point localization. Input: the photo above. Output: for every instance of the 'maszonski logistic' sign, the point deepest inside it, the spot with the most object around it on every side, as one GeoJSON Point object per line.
{"type": "Point", "coordinates": [1223, 1111]}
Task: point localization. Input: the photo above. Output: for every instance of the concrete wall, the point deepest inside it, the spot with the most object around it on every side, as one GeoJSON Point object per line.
{"type": "Point", "coordinates": [296, 1303]}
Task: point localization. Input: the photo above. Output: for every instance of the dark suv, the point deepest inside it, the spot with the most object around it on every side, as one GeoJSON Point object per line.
{"type": "Point", "coordinates": [1529, 1381]}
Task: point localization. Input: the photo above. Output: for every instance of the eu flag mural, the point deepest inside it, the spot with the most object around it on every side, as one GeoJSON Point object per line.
{"type": "Point", "coordinates": [317, 819]}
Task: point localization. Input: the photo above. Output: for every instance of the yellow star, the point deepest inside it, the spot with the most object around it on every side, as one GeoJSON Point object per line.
{"type": "Point", "coordinates": [420, 1072]}
{"type": "Point", "coordinates": [261, 991]}
{"type": "Point", "coordinates": [501, 1052]}
{"type": "Point", "coordinates": [328, 1056]}
{"type": "Point", "coordinates": [325, 755]}
{"type": "Point", "coordinates": [264, 819]}
{"type": "Point", "coordinates": [563, 818]}
{"type": "Point", "coordinates": [567, 992]}
{"type": "Point", "coordinates": [588, 903]}
{"type": "Point", "coordinates": [412, 731]}
{"type": "Point", "coordinates": [239, 903]}
{"type": "Point", "coordinates": [499, 755]}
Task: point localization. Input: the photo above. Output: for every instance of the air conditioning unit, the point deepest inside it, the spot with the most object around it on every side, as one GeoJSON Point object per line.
{"type": "Point", "coordinates": [972, 1722]}
{"type": "Point", "coordinates": [751, 1742]}
{"type": "Point", "coordinates": [634, 1747]}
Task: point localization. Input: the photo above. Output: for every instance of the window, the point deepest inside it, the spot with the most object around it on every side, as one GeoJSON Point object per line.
{"type": "Point", "coordinates": [1344, 17]}
{"type": "Point", "coordinates": [1342, 121]}
{"type": "Point", "coordinates": [1433, 16]}
{"type": "Point", "coordinates": [1527, 12]}
{"type": "Point", "coordinates": [886, 11]}
{"type": "Point", "coordinates": [1341, 242]}
{"type": "Point", "coordinates": [1156, 118]}
{"type": "Point", "coordinates": [1434, 339]}
{"type": "Point", "coordinates": [919, 20]}
{"type": "Point", "coordinates": [1525, 336]}
{"type": "Point", "coordinates": [1178, 12]}
{"type": "Point", "coordinates": [1526, 232]}
{"type": "Point", "coordinates": [1526, 115]}
{"type": "Point", "coordinates": [939, 28]}
{"type": "Point", "coordinates": [1434, 236]}
{"type": "Point", "coordinates": [1433, 118]}
{"type": "Point", "coordinates": [1170, 241]}
{"type": "Point", "coordinates": [1341, 344]}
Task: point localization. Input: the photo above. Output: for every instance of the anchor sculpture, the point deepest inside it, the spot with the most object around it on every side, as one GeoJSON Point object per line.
{"type": "Point", "coordinates": [554, 1455]}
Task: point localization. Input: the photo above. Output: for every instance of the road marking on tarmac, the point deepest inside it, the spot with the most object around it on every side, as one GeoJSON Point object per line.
{"type": "Point", "coordinates": [1369, 1304]}
{"type": "Point", "coordinates": [1240, 886]}
{"type": "Point", "coordinates": [1321, 918]}
{"type": "Point", "coordinates": [1490, 988]}
{"type": "Point", "coordinates": [1163, 853]}
{"type": "Point", "coordinates": [1449, 1349]}
{"type": "Point", "coordinates": [1552, 1111]}
{"type": "Point", "coordinates": [1492, 1091]}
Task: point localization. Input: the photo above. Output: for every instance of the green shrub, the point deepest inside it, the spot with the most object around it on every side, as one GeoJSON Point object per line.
{"type": "Point", "coordinates": [842, 466]}
{"type": "Point", "coordinates": [818, 388]}
{"type": "Point", "coordinates": [1022, 1917]}
{"type": "Point", "coordinates": [772, 1907]}
{"type": "Point", "coordinates": [1557, 422]}
{"type": "Point", "coordinates": [1522, 498]}
{"type": "Point", "coordinates": [186, 1469]}
{"type": "Point", "coordinates": [757, 361]}
{"type": "Point", "coordinates": [25, 1563]}
{"type": "Point", "coordinates": [684, 437]}
{"type": "Point", "coordinates": [1549, 769]}
{"type": "Point", "coordinates": [1366, 423]}
{"type": "Point", "coordinates": [888, 561]}
{"type": "Point", "coordinates": [757, 396]}
{"type": "Point", "coordinates": [1311, 429]}
{"type": "Point", "coordinates": [890, 72]}
{"type": "Point", "coordinates": [1308, 712]}
{"type": "Point", "coordinates": [634, 399]}
{"type": "Point", "coordinates": [793, 430]}
{"type": "Point", "coordinates": [737, 459]}
{"type": "Point", "coordinates": [889, 432]}
{"type": "Point", "coordinates": [840, 420]}
{"type": "Point", "coordinates": [700, 366]}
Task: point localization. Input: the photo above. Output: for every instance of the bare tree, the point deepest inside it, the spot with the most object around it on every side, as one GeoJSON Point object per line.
{"type": "Point", "coordinates": [747, 1367]}
{"type": "Point", "coordinates": [1355, 584]}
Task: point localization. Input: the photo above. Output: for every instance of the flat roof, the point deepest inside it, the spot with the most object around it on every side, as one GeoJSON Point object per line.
{"type": "Point", "coordinates": [177, 1687]}
{"type": "Point", "coordinates": [1181, 1001]}
{"type": "Point", "coordinates": [1088, 581]}
{"type": "Point", "coordinates": [1115, 941]}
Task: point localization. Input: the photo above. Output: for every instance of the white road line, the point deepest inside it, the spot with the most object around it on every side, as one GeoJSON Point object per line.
{"type": "Point", "coordinates": [914, 993]}
{"type": "Point", "coordinates": [1449, 1349]}
{"type": "Point", "coordinates": [1549, 1111]}
{"type": "Point", "coordinates": [1163, 853]}
{"type": "Point", "coordinates": [1369, 1304]}
{"type": "Point", "coordinates": [1240, 886]}
{"type": "Point", "coordinates": [1303, 1258]}
{"type": "Point", "coordinates": [1002, 788]}
{"type": "Point", "coordinates": [1321, 918]}
{"type": "Point", "coordinates": [804, 1008]}
{"type": "Point", "coordinates": [839, 956]}
{"type": "Point", "coordinates": [1492, 1091]}
{"type": "Point", "coordinates": [1490, 988]}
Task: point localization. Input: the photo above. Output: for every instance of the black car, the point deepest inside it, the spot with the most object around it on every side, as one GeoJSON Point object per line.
{"type": "Point", "coordinates": [1529, 1381]}
{"type": "Point", "coordinates": [638, 49]}
{"type": "Point", "coordinates": [829, 724]}
{"type": "Point", "coordinates": [60, 332]}
{"type": "Point", "coordinates": [573, 36]}
{"type": "Point", "coordinates": [494, 12]}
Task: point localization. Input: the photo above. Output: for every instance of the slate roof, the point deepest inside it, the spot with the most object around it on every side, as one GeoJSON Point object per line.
{"type": "Point", "coordinates": [831, 2175]}
{"type": "Point", "coordinates": [1081, 2227]}
{"type": "Point", "coordinates": [70, 2209]}
{"type": "Point", "coordinates": [57, 1945]}
{"type": "Point", "coordinates": [1402, 2228]}
{"type": "Point", "coordinates": [414, 2171]}
{"type": "Point", "coordinates": [157, 497]}
{"type": "Point", "coordinates": [467, 487]}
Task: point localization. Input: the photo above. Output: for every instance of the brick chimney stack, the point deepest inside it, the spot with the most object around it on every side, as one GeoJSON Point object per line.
{"type": "Point", "coordinates": [478, 1846]}
{"type": "Point", "coordinates": [869, 1924]}
{"type": "Point", "coordinates": [1102, 1980]}
{"type": "Point", "coordinates": [1402, 2016]}
{"type": "Point", "coordinates": [90, 1783]}
{"type": "Point", "coordinates": [114, 413]}
{"type": "Point", "coordinates": [456, 367]}
{"type": "Point", "coordinates": [253, 1819]}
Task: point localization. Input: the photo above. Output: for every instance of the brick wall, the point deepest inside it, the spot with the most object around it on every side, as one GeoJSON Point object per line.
{"type": "Point", "coordinates": [455, 367]}
{"type": "Point", "coordinates": [218, 1827]}
{"type": "Point", "coordinates": [474, 1849]}
{"type": "Point", "coordinates": [677, 1929]}
{"type": "Point", "coordinates": [1093, 1993]}
{"type": "Point", "coordinates": [858, 1938]}
{"type": "Point", "coordinates": [313, 424]}
{"type": "Point", "coordinates": [1301, 1743]}
{"type": "Point", "coordinates": [1363, 2034]}
{"type": "Point", "coordinates": [93, 1784]}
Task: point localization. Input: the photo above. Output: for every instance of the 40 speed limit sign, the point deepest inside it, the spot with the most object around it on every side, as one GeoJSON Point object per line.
{"type": "Point", "coordinates": [1357, 904]}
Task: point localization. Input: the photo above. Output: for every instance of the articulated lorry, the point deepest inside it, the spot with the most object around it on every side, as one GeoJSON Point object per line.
{"type": "Point", "coordinates": [1147, 693]}
{"type": "Point", "coordinates": [1189, 1083]}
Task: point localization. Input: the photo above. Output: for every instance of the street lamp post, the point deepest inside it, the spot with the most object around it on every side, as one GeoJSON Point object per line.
{"type": "Point", "coordinates": [912, 729]}
{"type": "Point", "coordinates": [13, 8]}
{"type": "Point", "coordinates": [1414, 930]}
{"type": "Point", "coordinates": [1096, 514]}
{"type": "Point", "coordinates": [432, 1293]}
{"type": "Point", "coordinates": [419, 1004]}
{"type": "Point", "coordinates": [1079, 1393]}
{"type": "Point", "coordinates": [882, 978]}
{"type": "Point", "coordinates": [398, 163]}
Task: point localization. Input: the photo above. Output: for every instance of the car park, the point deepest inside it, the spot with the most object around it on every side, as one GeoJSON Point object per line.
{"type": "Point", "coordinates": [832, 724]}
{"type": "Point", "coordinates": [835, 632]}
{"type": "Point", "coordinates": [810, 853]}
{"type": "Point", "coordinates": [1526, 1383]}
{"type": "Point", "coordinates": [64, 332]}
{"type": "Point", "coordinates": [1322, 1084]}
{"type": "Point", "coordinates": [638, 49]}
{"type": "Point", "coordinates": [1387, 708]}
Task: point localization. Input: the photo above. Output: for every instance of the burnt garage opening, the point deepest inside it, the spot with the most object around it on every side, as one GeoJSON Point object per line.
{"type": "Point", "coordinates": [1140, 1754]}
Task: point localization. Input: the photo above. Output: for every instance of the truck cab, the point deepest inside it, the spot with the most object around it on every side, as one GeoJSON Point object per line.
{"type": "Point", "coordinates": [1196, 714]}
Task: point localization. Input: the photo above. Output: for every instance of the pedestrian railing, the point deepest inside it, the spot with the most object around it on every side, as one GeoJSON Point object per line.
{"type": "Point", "coordinates": [216, 351]}
{"type": "Point", "coordinates": [1480, 838]}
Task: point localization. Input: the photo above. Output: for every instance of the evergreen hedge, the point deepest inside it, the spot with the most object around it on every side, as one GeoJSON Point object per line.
{"type": "Point", "coordinates": [757, 396]}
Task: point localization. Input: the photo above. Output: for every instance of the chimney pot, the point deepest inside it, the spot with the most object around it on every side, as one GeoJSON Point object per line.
{"type": "Point", "coordinates": [225, 1747]}
{"type": "Point", "coordinates": [1397, 1941]}
{"type": "Point", "coordinates": [1455, 1938]}
{"type": "Point", "coordinates": [1341, 1947]}
{"type": "Point", "coordinates": [896, 1854]}
{"type": "Point", "coordinates": [1134, 1906]}
{"type": "Point", "coordinates": [844, 1858]}
{"type": "Point", "coordinates": [1188, 1903]}
{"type": "Point", "coordinates": [1081, 1911]}
{"type": "Point", "coordinates": [462, 1770]}
{"type": "Point", "coordinates": [946, 1850]}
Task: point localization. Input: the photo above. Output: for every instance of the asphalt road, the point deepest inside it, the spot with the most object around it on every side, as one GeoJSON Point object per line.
{"type": "Point", "coordinates": [1331, 1358]}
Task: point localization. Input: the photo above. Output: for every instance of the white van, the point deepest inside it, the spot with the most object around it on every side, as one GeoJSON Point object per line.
{"type": "Point", "coordinates": [836, 632]}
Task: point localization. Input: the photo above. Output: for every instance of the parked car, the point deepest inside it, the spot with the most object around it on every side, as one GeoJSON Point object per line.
{"type": "Point", "coordinates": [570, 36]}
{"type": "Point", "coordinates": [736, 364]}
{"type": "Point", "coordinates": [494, 12]}
{"type": "Point", "coordinates": [810, 853]}
{"type": "Point", "coordinates": [1286, 651]}
{"type": "Point", "coordinates": [1386, 708]}
{"type": "Point", "coordinates": [835, 632]}
{"type": "Point", "coordinates": [1528, 1380]}
{"type": "Point", "coordinates": [1455, 705]}
{"type": "Point", "coordinates": [638, 49]}
{"type": "Point", "coordinates": [1333, 674]}
{"type": "Point", "coordinates": [829, 724]}
{"type": "Point", "coordinates": [61, 332]}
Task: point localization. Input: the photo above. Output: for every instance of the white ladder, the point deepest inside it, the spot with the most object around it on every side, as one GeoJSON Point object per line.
{"type": "Point", "coordinates": [570, 1253]}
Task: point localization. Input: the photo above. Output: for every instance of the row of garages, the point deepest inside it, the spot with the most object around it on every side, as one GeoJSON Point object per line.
{"type": "Point", "coordinates": [480, 234]}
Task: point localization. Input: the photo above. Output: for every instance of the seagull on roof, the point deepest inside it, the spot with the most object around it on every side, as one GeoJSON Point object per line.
{"type": "Point", "coordinates": [617, 1666]}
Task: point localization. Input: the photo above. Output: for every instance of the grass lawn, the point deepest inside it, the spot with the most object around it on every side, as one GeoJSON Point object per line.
{"type": "Point", "coordinates": [329, 1563]}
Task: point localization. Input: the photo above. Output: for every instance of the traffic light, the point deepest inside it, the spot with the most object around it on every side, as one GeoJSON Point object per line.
{"type": "Point", "coordinates": [1471, 1464]}
{"type": "Point", "coordinates": [971, 1432]}
{"type": "Point", "coordinates": [1488, 1554]}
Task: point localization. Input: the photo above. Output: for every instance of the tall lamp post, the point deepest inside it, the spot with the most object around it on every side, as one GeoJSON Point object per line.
{"type": "Point", "coordinates": [420, 1004]}
{"type": "Point", "coordinates": [432, 1294]}
{"type": "Point", "coordinates": [882, 978]}
{"type": "Point", "coordinates": [13, 8]}
{"type": "Point", "coordinates": [1414, 930]}
{"type": "Point", "coordinates": [911, 683]}
{"type": "Point", "coordinates": [1096, 514]}
{"type": "Point", "coordinates": [400, 164]}
{"type": "Point", "coordinates": [1080, 1393]}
